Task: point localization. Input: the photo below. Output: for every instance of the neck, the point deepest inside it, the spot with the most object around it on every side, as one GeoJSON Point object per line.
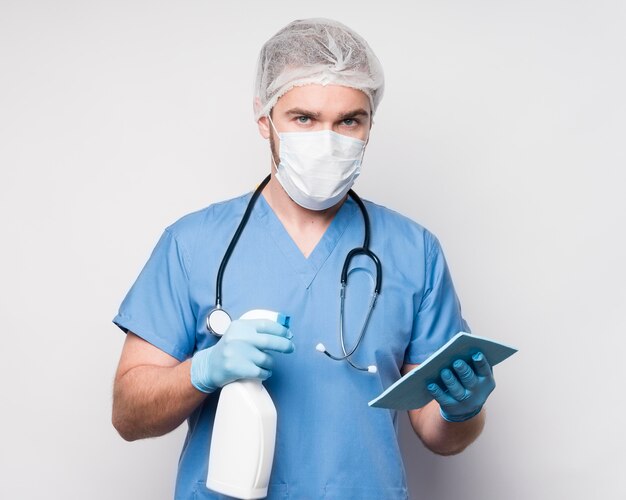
{"type": "Point", "coordinates": [306, 227]}
{"type": "Point", "coordinates": [288, 210]}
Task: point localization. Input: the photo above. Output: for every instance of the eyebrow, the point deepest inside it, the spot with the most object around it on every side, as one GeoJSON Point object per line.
{"type": "Point", "coordinates": [303, 112]}
{"type": "Point", "coordinates": [354, 113]}
{"type": "Point", "coordinates": [342, 116]}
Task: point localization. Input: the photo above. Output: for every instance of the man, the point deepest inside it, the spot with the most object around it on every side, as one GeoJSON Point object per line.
{"type": "Point", "coordinates": [318, 86]}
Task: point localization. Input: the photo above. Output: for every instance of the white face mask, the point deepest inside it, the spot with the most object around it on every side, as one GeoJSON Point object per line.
{"type": "Point", "coordinates": [317, 169]}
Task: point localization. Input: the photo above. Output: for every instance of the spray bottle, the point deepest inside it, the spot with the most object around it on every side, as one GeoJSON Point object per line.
{"type": "Point", "coordinates": [244, 433]}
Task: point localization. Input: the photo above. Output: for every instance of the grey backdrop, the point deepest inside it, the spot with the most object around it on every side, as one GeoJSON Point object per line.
{"type": "Point", "coordinates": [502, 131]}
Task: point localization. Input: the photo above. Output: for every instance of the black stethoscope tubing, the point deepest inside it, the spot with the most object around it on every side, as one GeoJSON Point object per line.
{"type": "Point", "coordinates": [364, 250]}
{"type": "Point", "coordinates": [233, 242]}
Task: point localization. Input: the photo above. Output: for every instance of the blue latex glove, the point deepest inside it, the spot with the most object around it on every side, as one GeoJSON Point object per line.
{"type": "Point", "coordinates": [240, 354]}
{"type": "Point", "coordinates": [467, 391]}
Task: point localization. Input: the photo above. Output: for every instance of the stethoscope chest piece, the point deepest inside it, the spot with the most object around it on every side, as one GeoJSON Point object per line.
{"type": "Point", "coordinates": [218, 321]}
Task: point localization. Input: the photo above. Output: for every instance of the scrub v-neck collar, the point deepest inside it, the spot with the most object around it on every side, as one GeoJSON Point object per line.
{"type": "Point", "coordinates": [306, 268]}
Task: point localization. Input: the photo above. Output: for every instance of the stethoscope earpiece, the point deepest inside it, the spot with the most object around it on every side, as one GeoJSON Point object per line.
{"type": "Point", "coordinates": [321, 348]}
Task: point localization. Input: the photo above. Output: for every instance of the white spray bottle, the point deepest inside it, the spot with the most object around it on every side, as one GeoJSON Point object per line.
{"type": "Point", "coordinates": [244, 433]}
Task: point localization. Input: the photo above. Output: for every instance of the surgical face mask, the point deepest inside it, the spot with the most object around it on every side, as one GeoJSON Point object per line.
{"type": "Point", "coordinates": [317, 169]}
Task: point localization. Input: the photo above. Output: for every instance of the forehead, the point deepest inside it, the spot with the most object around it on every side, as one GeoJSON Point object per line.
{"type": "Point", "coordinates": [323, 99]}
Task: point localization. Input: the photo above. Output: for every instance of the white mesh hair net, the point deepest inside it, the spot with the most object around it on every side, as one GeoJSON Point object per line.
{"type": "Point", "coordinates": [320, 51]}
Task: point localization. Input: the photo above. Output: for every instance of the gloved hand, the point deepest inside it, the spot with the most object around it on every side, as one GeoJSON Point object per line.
{"type": "Point", "coordinates": [467, 391]}
{"type": "Point", "coordinates": [240, 354]}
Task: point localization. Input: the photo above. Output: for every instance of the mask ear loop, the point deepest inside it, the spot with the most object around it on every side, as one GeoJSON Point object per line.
{"type": "Point", "coordinates": [277, 135]}
{"type": "Point", "coordinates": [365, 143]}
{"type": "Point", "coordinates": [272, 123]}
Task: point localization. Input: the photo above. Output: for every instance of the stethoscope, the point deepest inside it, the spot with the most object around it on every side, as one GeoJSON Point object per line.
{"type": "Point", "coordinates": [218, 319]}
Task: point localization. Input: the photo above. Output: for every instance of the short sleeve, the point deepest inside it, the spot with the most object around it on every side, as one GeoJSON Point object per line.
{"type": "Point", "coordinates": [438, 317]}
{"type": "Point", "coordinates": [157, 307]}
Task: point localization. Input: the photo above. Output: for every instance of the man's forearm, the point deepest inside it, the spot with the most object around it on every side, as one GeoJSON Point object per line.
{"type": "Point", "coordinates": [443, 437]}
{"type": "Point", "coordinates": [150, 401]}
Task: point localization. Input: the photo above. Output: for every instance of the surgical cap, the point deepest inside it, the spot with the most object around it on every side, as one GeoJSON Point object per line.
{"type": "Point", "coordinates": [315, 51]}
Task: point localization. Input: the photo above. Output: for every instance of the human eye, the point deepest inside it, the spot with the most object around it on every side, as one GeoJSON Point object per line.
{"type": "Point", "coordinates": [303, 119]}
{"type": "Point", "coordinates": [350, 122]}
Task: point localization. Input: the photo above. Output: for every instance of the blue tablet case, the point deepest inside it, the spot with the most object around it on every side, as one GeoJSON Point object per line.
{"type": "Point", "coordinates": [410, 391]}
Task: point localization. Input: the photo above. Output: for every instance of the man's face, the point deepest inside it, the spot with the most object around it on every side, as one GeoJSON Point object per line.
{"type": "Point", "coordinates": [309, 108]}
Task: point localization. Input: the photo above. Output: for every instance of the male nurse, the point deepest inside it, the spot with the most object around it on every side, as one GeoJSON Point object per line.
{"type": "Point", "coordinates": [318, 85]}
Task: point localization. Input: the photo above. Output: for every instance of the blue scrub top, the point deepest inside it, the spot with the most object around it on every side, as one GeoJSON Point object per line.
{"type": "Point", "coordinates": [330, 443]}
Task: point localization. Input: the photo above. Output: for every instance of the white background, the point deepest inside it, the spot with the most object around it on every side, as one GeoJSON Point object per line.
{"type": "Point", "coordinates": [502, 130]}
